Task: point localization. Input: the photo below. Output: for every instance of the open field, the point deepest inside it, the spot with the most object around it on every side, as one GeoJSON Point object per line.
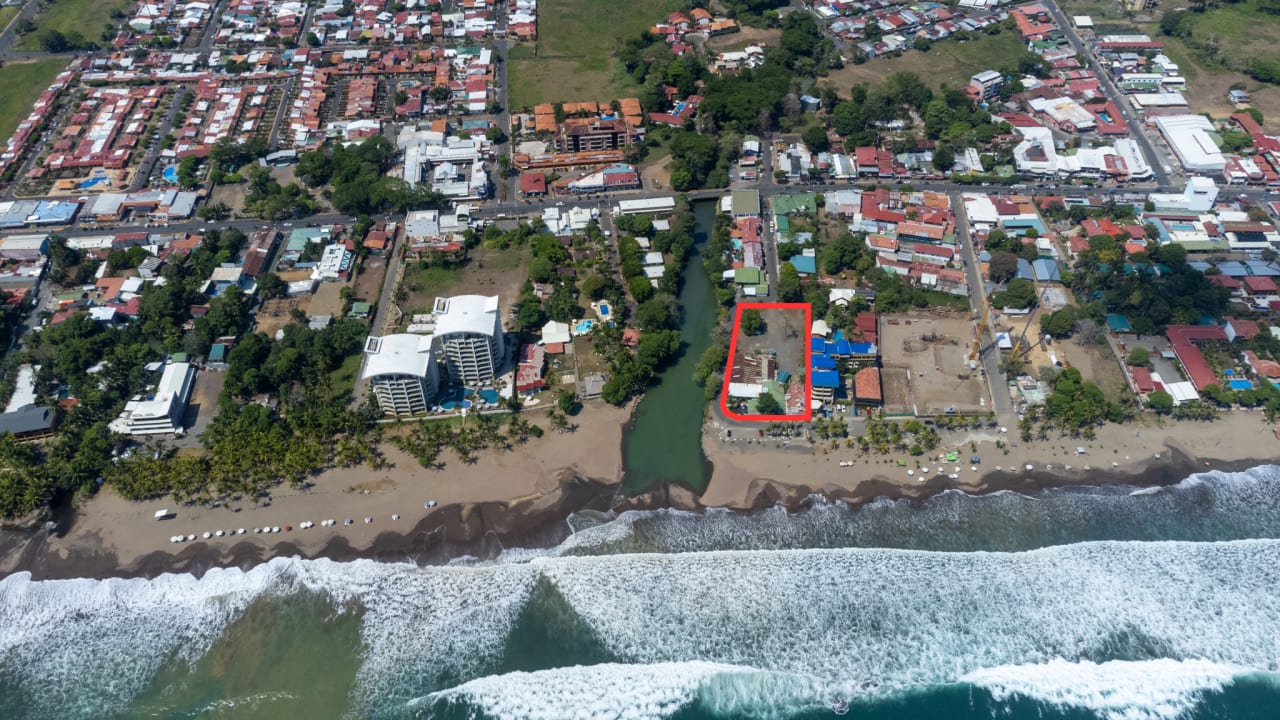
{"type": "Point", "coordinates": [23, 83]}
{"type": "Point", "coordinates": [490, 272]}
{"type": "Point", "coordinates": [86, 18]}
{"type": "Point", "coordinates": [768, 37]}
{"type": "Point", "coordinates": [1207, 85]}
{"type": "Point", "coordinates": [7, 14]}
{"type": "Point", "coordinates": [926, 369]}
{"type": "Point", "coordinates": [1240, 30]}
{"type": "Point", "coordinates": [573, 57]}
{"type": "Point", "coordinates": [947, 61]}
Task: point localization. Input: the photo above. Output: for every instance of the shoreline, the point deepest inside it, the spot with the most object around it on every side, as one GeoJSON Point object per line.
{"type": "Point", "coordinates": [526, 508]}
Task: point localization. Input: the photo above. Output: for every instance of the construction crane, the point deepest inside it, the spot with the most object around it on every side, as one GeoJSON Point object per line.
{"type": "Point", "coordinates": [1022, 339]}
{"type": "Point", "coordinates": [982, 321]}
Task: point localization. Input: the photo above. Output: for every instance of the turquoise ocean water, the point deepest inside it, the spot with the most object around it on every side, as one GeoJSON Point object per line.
{"type": "Point", "coordinates": [1115, 604]}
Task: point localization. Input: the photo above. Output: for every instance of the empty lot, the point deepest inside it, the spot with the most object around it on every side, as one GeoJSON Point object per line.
{"type": "Point", "coordinates": [925, 361]}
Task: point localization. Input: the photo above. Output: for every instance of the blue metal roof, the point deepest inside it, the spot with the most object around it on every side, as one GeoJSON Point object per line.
{"type": "Point", "coordinates": [818, 345]}
{"type": "Point", "coordinates": [804, 264]}
{"type": "Point", "coordinates": [822, 362]}
{"type": "Point", "coordinates": [825, 379]}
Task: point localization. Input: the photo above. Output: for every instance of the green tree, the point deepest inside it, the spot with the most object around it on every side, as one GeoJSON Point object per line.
{"type": "Point", "coordinates": [767, 404]}
{"type": "Point", "coordinates": [789, 288]}
{"type": "Point", "coordinates": [752, 323]}
{"type": "Point", "coordinates": [1138, 356]}
{"type": "Point", "coordinates": [1160, 401]}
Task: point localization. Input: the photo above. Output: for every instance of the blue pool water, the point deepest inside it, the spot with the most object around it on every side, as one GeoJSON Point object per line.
{"type": "Point", "coordinates": [1182, 227]}
{"type": "Point", "coordinates": [604, 310]}
{"type": "Point", "coordinates": [85, 185]}
{"type": "Point", "coordinates": [170, 174]}
{"type": "Point", "coordinates": [1240, 384]}
{"type": "Point", "coordinates": [489, 396]}
{"type": "Point", "coordinates": [584, 326]}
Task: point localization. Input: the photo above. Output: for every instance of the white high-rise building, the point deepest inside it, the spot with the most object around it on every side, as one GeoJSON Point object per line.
{"type": "Point", "coordinates": [164, 411]}
{"type": "Point", "coordinates": [403, 372]}
{"type": "Point", "coordinates": [469, 329]}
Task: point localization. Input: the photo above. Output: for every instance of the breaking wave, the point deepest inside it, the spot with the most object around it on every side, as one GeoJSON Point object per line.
{"type": "Point", "coordinates": [1128, 630]}
{"type": "Point", "coordinates": [1207, 506]}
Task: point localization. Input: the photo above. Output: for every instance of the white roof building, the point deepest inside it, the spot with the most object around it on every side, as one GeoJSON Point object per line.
{"type": "Point", "coordinates": [1199, 196]}
{"type": "Point", "coordinates": [332, 263]}
{"type": "Point", "coordinates": [403, 371]}
{"type": "Point", "coordinates": [470, 331]}
{"type": "Point", "coordinates": [163, 411]}
{"type": "Point", "coordinates": [555, 332]}
{"type": "Point", "coordinates": [1188, 137]}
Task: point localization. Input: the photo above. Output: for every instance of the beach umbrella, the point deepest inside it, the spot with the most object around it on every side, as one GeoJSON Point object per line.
{"type": "Point", "coordinates": [207, 535]}
{"type": "Point", "coordinates": [1030, 466]}
{"type": "Point", "coordinates": [191, 537]}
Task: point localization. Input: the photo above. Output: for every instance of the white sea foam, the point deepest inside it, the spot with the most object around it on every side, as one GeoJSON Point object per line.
{"type": "Point", "coordinates": [1161, 689]}
{"type": "Point", "coordinates": [82, 645]}
{"type": "Point", "coordinates": [632, 692]}
{"type": "Point", "coordinates": [893, 619]}
{"type": "Point", "coordinates": [848, 620]}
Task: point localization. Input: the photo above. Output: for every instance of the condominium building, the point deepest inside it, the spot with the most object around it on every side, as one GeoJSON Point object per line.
{"type": "Point", "coordinates": [469, 330]}
{"type": "Point", "coordinates": [402, 371]}
{"type": "Point", "coordinates": [163, 411]}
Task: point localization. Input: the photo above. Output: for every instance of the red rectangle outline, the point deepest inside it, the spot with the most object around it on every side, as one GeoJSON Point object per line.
{"type": "Point", "coordinates": [733, 348]}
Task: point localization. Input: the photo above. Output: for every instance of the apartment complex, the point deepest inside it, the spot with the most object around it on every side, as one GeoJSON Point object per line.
{"type": "Point", "coordinates": [402, 371]}
{"type": "Point", "coordinates": [469, 329]}
{"type": "Point", "coordinates": [594, 133]}
{"type": "Point", "coordinates": [161, 412]}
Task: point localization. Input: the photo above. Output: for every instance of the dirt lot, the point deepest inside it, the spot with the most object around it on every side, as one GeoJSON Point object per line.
{"type": "Point", "coordinates": [368, 283]}
{"type": "Point", "coordinates": [785, 335]}
{"type": "Point", "coordinates": [275, 314]}
{"type": "Point", "coordinates": [327, 300]}
{"type": "Point", "coordinates": [926, 365]}
{"type": "Point", "coordinates": [767, 37]}
{"type": "Point", "coordinates": [203, 405]}
{"type": "Point", "coordinates": [489, 272]}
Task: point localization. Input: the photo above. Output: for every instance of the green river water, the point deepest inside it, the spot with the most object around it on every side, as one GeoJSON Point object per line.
{"type": "Point", "coordinates": [665, 439]}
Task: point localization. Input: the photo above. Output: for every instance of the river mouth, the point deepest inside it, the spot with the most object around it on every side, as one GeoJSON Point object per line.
{"type": "Point", "coordinates": [663, 443]}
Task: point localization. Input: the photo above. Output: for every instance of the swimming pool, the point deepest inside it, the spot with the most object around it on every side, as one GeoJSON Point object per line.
{"type": "Point", "coordinates": [489, 396]}
{"type": "Point", "coordinates": [170, 174]}
{"type": "Point", "coordinates": [1182, 227]}
{"type": "Point", "coordinates": [604, 310]}
{"type": "Point", "coordinates": [1240, 384]}
{"type": "Point", "coordinates": [583, 327]}
{"type": "Point", "coordinates": [85, 185]}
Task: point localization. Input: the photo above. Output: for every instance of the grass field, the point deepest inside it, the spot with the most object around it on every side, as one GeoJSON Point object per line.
{"type": "Point", "coordinates": [947, 61]}
{"type": "Point", "coordinates": [1207, 84]}
{"type": "Point", "coordinates": [7, 13]}
{"type": "Point", "coordinates": [86, 17]}
{"type": "Point", "coordinates": [23, 83]}
{"type": "Point", "coordinates": [573, 60]}
{"type": "Point", "coordinates": [1242, 32]}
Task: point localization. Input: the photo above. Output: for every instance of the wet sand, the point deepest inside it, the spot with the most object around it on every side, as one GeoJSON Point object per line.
{"type": "Point", "coordinates": [522, 497]}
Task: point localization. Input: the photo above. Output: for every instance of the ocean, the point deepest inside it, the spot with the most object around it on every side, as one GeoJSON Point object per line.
{"type": "Point", "coordinates": [1086, 603]}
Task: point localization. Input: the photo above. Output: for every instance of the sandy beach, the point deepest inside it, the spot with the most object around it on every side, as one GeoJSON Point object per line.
{"type": "Point", "coordinates": [521, 496]}
{"type": "Point", "coordinates": [1120, 453]}
{"type": "Point", "coordinates": [503, 490]}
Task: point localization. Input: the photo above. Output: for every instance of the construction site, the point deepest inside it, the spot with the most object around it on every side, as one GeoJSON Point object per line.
{"type": "Point", "coordinates": [928, 367]}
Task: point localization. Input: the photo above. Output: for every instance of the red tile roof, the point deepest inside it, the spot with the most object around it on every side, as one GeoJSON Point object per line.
{"type": "Point", "coordinates": [1260, 284]}
{"type": "Point", "coordinates": [1182, 338]}
{"type": "Point", "coordinates": [1142, 379]}
{"type": "Point", "coordinates": [866, 384]}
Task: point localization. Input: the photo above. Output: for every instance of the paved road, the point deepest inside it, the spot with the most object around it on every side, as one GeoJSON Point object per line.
{"type": "Point", "coordinates": [142, 178]}
{"type": "Point", "coordinates": [9, 36]}
{"type": "Point", "coordinates": [1136, 129]}
{"type": "Point", "coordinates": [989, 356]}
